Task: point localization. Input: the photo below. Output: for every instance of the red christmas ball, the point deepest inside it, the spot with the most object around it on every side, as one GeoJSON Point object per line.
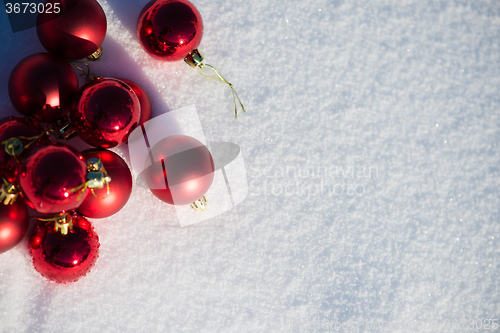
{"type": "Point", "coordinates": [102, 204]}
{"type": "Point", "coordinates": [170, 29]}
{"type": "Point", "coordinates": [51, 179]}
{"type": "Point", "coordinates": [143, 99]}
{"type": "Point", "coordinates": [183, 170]}
{"type": "Point", "coordinates": [43, 85]}
{"type": "Point", "coordinates": [15, 127]}
{"type": "Point", "coordinates": [105, 112]}
{"type": "Point", "coordinates": [14, 220]}
{"type": "Point", "coordinates": [64, 258]}
{"type": "Point", "coordinates": [75, 32]}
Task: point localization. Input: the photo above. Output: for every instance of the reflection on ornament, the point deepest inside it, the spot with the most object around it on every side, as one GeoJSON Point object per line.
{"type": "Point", "coordinates": [63, 251]}
{"type": "Point", "coordinates": [76, 32]}
{"type": "Point", "coordinates": [42, 86]}
{"type": "Point", "coordinates": [105, 112]}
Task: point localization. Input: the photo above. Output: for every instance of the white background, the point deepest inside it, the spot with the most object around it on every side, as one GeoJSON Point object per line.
{"type": "Point", "coordinates": [405, 93]}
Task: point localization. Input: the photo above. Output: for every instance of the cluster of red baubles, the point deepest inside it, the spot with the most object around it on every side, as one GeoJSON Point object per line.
{"type": "Point", "coordinates": [41, 170]}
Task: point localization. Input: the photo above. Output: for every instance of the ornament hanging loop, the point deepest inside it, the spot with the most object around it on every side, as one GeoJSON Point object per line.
{"type": "Point", "coordinates": [86, 73]}
{"type": "Point", "coordinates": [15, 146]}
{"type": "Point", "coordinates": [195, 59]}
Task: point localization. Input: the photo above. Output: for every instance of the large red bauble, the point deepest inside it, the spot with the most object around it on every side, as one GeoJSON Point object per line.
{"type": "Point", "coordinates": [105, 111]}
{"type": "Point", "coordinates": [64, 258]}
{"type": "Point", "coordinates": [74, 33]}
{"type": "Point", "coordinates": [120, 187]}
{"type": "Point", "coordinates": [170, 29]}
{"type": "Point", "coordinates": [49, 174]}
{"type": "Point", "coordinates": [43, 85]}
{"type": "Point", "coordinates": [11, 127]}
{"type": "Point", "coordinates": [143, 99]}
{"type": "Point", "coordinates": [183, 172]}
{"type": "Point", "coordinates": [14, 220]}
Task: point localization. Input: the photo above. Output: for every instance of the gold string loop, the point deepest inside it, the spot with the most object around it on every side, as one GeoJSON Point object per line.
{"type": "Point", "coordinates": [195, 59]}
{"type": "Point", "coordinates": [222, 79]}
{"type": "Point", "coordinates": [15, 146]}
{"type": "Point", "coordinates": [88, 76]}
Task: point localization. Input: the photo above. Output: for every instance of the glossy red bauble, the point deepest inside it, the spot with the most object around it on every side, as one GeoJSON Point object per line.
{"type": "Point", "coordinates": [101, 204]}
{"type": "Point", "coordinates": [74, 33]}
{"type": "Point", "coordinates": [64, 258]}
{"type": "Point", "coordinates": [14, 220]}
{"type": "Point", "coordinates": [42, 86]}
{"type": "Point", "coordinates": [11, 127]}
{"type": "Point", "coordinates": [49, 176]}
{"type": "Point", "coordinates": [183, 172]}
{"type": "Point", "coordinates": [143, 99]}
{"type": "Point", "coordinates": [105, 112]}
{"type": "Point", "coordinates": [169, 29]}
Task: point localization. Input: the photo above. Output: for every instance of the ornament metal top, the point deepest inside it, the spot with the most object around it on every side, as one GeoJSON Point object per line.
{"type": "Point", "coordinates": [171, 30]}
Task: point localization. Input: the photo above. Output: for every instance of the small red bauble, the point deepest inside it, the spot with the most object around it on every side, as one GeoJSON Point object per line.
{"type": "Point", "coordinates": [14, 220]}
{"type": "Point", "coordinates": [15, 127]}
{"type": "Point", "coordinates": [43, 85]}
{"type": "Point", "coordinates": [105, 111]}
{"type": "Point", "coordinates": [64, 258]}
{"type": "Point", "coordinates": [183, 172]}
{"type": "Point", "coordinates": [50, 176]}
{"type": "Point", "coordinates": [101, 204]}
{"type": "Point", "coordinates": [76, 32]}
{"type": "Point", "coordinates": [143, 99]}
{"type": "Point", "coordinates": [170, 29]}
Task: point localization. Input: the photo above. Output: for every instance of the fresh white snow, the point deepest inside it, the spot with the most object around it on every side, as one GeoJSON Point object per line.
{"type": "Point", "coordinates": [371, 142]}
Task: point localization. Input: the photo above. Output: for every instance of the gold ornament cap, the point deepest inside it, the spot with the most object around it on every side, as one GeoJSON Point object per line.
{"type": "Point", "coordinates": [200, 204]}
{"type": "Point", "coordinates": [194, 58]}
{"type": "Point", "coordinates": [63, 129]}
{"type": "Point", "coordinates": [96, 55]}
{"type": "Point", "coordinates": [8, 193]}
{"type": "Point", "coordinates": [64, 224]}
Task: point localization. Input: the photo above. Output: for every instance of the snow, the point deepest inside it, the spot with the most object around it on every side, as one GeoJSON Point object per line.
{"type": "Point", "coordinates": [371, 147]}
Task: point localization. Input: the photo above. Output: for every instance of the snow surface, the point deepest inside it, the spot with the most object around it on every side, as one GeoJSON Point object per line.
{"type": "Point", "coordinates": [371, 143]}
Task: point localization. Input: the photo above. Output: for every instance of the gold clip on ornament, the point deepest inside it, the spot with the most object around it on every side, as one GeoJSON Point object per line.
{"type": "Point", "coordinates": [195, 59]}
{"type": "Point", "coordinates": [63, 129]}
{"type": "Point", "coordinates": [96, 55]}
{"type": "Point", "coordinates": [97, 177]}
{"type": "Point", "coordinates": [96, 174]}
{"type": "Point", "coordinates": [63, 223]}
{"type": "Point", "coordinates": [8, 192]}
{"type": "Point", "coordinates": [200, 204]}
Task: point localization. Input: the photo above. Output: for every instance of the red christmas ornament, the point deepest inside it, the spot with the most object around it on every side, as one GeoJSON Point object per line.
{"type": "Point", "coordinates": [105, 112]}
{"type": "Point", "coordinates": [183, 172]}
{"type": "Point", "coordinates": [77, 31]}
{"type": "Point", "coordinates": [170, 29]}
{"type": "Point", "coordinates": [143, 99]}
{"type": "Point", "coordinates": [61, 257]}
{"type": "Point", "coordinates": [100, 204]}
{"type": "Point", "coordinates": [18, 127]}
{"type": "Point", "coordinates": [43, 85]}
{"type": "Point", "coordinates": [52, 179]}
{"type": "Point", "coordinates": [14, 220]}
